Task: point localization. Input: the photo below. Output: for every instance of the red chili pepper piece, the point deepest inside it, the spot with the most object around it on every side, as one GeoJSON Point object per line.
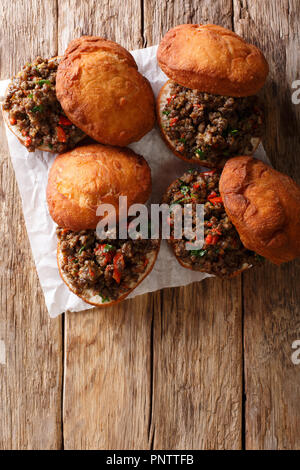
{"type": "Point", "coordinates": [206, 173]}
{"type": "Point", "coordinates": [24, 132]}
{"type": "Point", "coordinates": [173, 121]}
{"type": "Point", "coordinates": [64, 121]}
{"type": "Point", "coordinates": [196, 185]}
{"type": "Point", "coordinates": [61, 135]}
{"type": "Point", "coordinates": [208, 239]}
{"type": "Point", "coordinates": [216, 200]}
{"type": "Point", "coordinates": [99, 250]}
{"type": "Point", "coordinates": [28, 141]}
{"type": "Point", "coordinates": [212, 195]}
{"type": "Point", "coordinates": [13, 121]}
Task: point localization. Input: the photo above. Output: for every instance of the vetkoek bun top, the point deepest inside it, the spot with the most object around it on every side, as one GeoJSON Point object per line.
{"type": "Point", "coordinates": [102, 92]}
{"type": "Point", "coordinates": [82, 179]}
{"type": "Point", "coordinates": [212, 59]}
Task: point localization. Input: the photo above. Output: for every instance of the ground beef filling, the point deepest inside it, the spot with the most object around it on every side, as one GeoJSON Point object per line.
{"type": "Point", "coordinates": [35, 111]}
{"type": "Point", "coordinates": [108, 267]}
{"type": "Point", "coordinates": [210, 127]}
{"type": "Point", "coordinates": [223, 252]}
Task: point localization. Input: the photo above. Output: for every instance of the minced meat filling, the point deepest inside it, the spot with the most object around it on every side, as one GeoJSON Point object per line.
{"type": "Point", "coordinates": [108, 267]}
{"type": "Point", "coordinates": [223, 252]}
{"type": "Point", "coordinates": [209, 127]}
{"type": "Point", "coordinates": [36, 112]}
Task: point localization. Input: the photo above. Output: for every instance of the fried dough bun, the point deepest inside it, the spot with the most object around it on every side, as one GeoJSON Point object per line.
{"type": "Point", "coordinates": [164, 95]}
{"type": "Point", "coordinates": [88, 295]}
{"type": "Point", "coordinates": [82, 179]}
{"type": "Point", "coordinates": [102, 92]}
{"type": "Point", "coordinates": [17, 132]}
{"type": "Point", "coordinates": [264, 206]}
{"type": "Point", "coordinates": [212, 59]}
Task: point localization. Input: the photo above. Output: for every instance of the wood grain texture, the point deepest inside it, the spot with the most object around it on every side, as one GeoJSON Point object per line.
{"type": "Point", "coordinates": [197, 356]}
{"type": "Point", "coordinates": [197, 373]}
{"type": "Point", "coordinates": [111, 19]}
{"type": "Point", "coordinates": [31, 375]}
{"type": "Point", "coordinates": [107, 377]}
{"type": "Point", "coordinates": [148, 393]}
{"type": "Point", "coordinates": [271, 295]}
{"type": "Point", "coordinates": [108, 360]}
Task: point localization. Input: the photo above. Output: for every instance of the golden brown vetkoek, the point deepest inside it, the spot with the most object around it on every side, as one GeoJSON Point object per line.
{"type": "Point", "coordinates": [207, 110]}
{"type": "Point", "coordinates": [250, 211]}
{"type": "Point", "coordinates": [100, 271]}
{"type": "Point", "coordinates": [102, 92]}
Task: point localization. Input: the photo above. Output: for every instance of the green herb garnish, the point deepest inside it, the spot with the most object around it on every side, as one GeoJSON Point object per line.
{"type": "Point", "coordinates": [37, 109]}
{"type": "Point", "coordinates": [103, 298]}
{"type": "Point", "coordinates": [182, 140]}
{"type": "Point", "coordinates": [184, 189]}
{"type": "Point", "coordinates": [200, 153]}
{"type": "Point", "coordinates": [166, 113]}
{"type": "Point", "coordinates": [30, 95]}
{"type": "Point", "coordinates": [199, 253]}
{"type": "Point", "coordinates": [41, 82]}
{"type": "Point", "coordinates": [81, 249]}
{"type": "Point", "coordinates": [50, 146]}
{"type": "Point", "coordinates": [233, 131]}
{"type": "Point", "coordinates": [108, 248]}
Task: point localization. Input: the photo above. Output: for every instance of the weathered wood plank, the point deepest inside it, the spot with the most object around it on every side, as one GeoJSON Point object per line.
{"type": "Point", "coordinates": [108, 357]}
{"type": "Point", "coordinates": [31, 368]}
{"type": "Point", "coordinates": [197, 366]}
{"type": "Point", "coordinates": [107, 377]}
{"type": "Point", "coordinates": [271, 295]}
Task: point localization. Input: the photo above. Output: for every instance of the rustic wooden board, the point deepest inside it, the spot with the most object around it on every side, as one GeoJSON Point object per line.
{"type": "Point", "coordinates": [197, 363]}
{"type": "Point", "coordinates": [107, 373]}
{"type": "Point", "coordinates": [165, 370]}
{"type": "Point", "coordinates": [137, 388]}
{"type": "Point", "coordinates": [271, 295]}
{"type": "Point", "coordinates": [31, 368]}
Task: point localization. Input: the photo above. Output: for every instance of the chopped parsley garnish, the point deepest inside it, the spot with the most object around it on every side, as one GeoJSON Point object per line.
{"type": "Point", "coordinates": [166, 113]}
{"type": "Point", "coordinates": [198, 252]}
{"type": "Point", "coordinates": [200, 153]}
{"type": "Point", "coordinates": [81, 249]}
{"type": "Point", "coordinates": [182, 140]}
{"type": "Point", "coordinates": [233, 131]}
{"type": "Point", "coordinates": [41, 82]}
{"type": "Point", "coordinates": [108, 248]}
{"type": "Point", "coordinates": [30, 95]}
{"type": "Point", "coordinates": [184, 189]}
{"type": "Point", "coordinates": [103, 298]}
{"type": "Point", "coordinates": [37, 109]}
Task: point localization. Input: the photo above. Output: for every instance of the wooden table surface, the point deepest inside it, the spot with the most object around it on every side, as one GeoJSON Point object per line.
{"type": "Point", "coordinates": [206, 366]}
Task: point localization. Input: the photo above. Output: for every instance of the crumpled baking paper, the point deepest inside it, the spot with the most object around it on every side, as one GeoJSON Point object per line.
{"type": "Point", "coordinates": [31, 171]}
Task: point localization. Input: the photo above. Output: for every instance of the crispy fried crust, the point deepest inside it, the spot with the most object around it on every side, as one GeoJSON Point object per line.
{"type": "Point", "coordinates": [212, 59]}
{"type": "Point", "coordinates": [264, 206]}
{"type": "Point", "coordinates": [88, 296]}
{"type": "Point", "coordinates": [165, 92]}
{"type": "Point", "coordinates": [102, 92]}
{"type": "Point", "coordinates": [82, 179]}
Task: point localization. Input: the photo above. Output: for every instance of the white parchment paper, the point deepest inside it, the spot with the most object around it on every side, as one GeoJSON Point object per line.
{"type": "Point", "coordinates": [31, 171]}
